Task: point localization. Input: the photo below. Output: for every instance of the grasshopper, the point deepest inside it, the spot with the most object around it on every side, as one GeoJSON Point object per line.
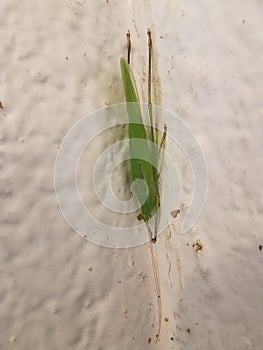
{"type": "Point", "coordinates": [147, 168]}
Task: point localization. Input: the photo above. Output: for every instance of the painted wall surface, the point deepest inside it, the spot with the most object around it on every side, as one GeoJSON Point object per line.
{"type": "Point", "coordinates": [59, 62]}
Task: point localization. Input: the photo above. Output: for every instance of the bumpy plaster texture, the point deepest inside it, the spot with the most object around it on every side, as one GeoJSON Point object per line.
{"type": "Point", "coordinates": [60, 61]}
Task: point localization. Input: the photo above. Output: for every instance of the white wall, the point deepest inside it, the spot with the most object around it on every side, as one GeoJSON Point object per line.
{"type": "Point", "coordinates": [60, 61]}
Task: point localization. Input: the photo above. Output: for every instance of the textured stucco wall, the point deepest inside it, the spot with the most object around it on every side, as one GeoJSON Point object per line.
{"type": "Point", "coordinates": [60, 61]}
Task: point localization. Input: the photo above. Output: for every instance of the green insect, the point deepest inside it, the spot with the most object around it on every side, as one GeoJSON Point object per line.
{"type": "Point", "coordinates": [147, 167]}
{"type": "Point", "coordinates": [145, 156]}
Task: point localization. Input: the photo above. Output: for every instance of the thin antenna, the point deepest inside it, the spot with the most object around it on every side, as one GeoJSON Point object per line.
{"type": "Point", "coordinates": [149, 67]}
{"type": "Point", "coordinates": [128, 46]}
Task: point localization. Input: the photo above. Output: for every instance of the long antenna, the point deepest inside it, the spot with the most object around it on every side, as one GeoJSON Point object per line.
{"type": "Point", "coordinates": [149, 67]}
{"type": "Point", "coordinates": [128, 46]}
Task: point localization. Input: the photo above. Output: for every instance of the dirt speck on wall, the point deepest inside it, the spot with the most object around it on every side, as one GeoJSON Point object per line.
{"type": "Point", "coordinates": [59, 62]}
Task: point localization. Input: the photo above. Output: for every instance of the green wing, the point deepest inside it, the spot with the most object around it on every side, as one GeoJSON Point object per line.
{"type": "Point", "coordinates": [143, 156]}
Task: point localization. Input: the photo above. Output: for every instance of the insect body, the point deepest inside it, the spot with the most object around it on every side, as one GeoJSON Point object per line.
{"type": "Point", "coordinates": [146, 167]}
{"type": "Point", "coordinates": [145, 156]}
